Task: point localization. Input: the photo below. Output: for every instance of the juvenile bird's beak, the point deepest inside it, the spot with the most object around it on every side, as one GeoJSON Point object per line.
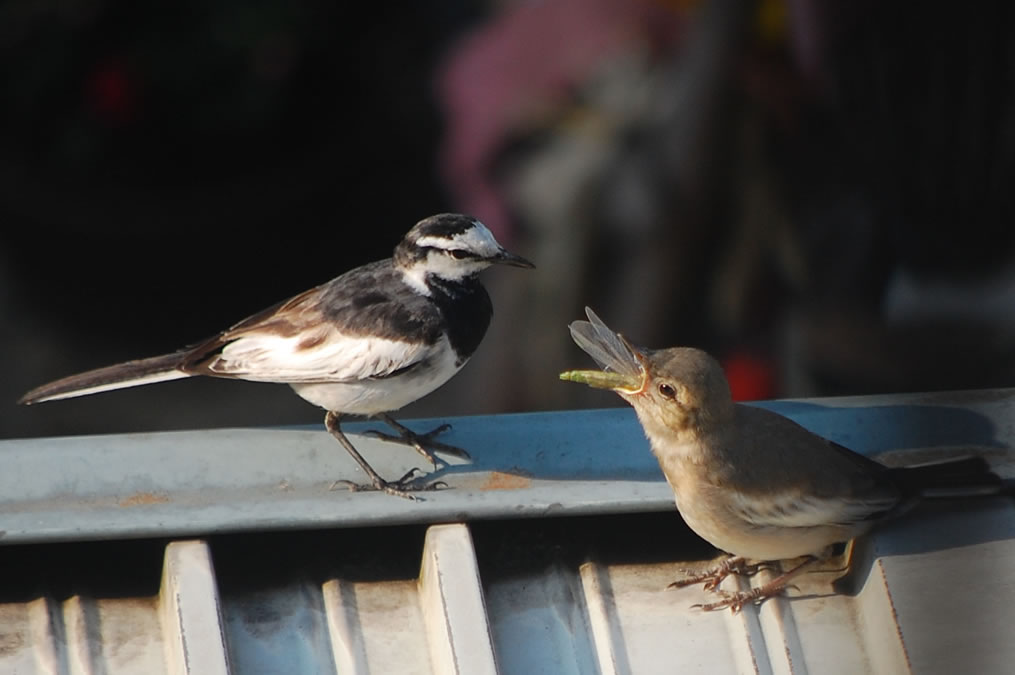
{"type": "Point", "coordinates": [507, 258]}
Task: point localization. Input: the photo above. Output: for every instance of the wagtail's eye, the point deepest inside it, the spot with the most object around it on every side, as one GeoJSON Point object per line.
{"type": "Point", "coordinates": [458, 254]}
{"type": "Point", "coordinates": [667, 390]}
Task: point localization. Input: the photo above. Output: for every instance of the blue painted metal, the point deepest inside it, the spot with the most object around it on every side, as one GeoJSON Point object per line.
{"type": "Point", "coordinates": [584, 462]}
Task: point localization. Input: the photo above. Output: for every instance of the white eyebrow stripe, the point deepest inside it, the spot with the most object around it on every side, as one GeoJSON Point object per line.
{"type": "Point", "coordinates": [437, 242]}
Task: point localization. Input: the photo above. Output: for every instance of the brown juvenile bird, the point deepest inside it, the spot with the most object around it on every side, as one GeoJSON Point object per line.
{"type": "Point", "coordinates": [749, 481]}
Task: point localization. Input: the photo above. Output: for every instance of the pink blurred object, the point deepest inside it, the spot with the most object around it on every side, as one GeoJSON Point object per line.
{"type": "Point", "coordinates": [522, 64]}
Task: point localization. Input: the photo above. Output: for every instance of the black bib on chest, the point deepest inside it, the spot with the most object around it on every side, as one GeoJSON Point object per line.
{"type": "Point", "coordinates": [466, 308]}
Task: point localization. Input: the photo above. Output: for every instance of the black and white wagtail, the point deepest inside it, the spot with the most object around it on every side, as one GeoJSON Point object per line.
{"type": "Point", "coordinates": [748, 480]}
{"type": "Point", "coordinates": [368, 342]}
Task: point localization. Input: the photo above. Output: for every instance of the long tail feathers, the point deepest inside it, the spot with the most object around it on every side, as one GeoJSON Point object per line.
{"type": "Point", "coordinates": [120, 376]}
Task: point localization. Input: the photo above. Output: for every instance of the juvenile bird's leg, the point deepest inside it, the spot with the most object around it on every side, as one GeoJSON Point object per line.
{"type": "Point", "coordinates": [423, 443]}
{"type": "Point", "coordinates": [736, 601]}
{"type": "Point", "coordinates": [735, 564]}
{"type": "Point", "coordinates": [398, 488]}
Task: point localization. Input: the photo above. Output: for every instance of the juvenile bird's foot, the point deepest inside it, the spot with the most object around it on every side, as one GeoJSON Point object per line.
{"type": "Point", "coordinates": [736, 601]}
{"type": "Point", "coordinates": [423, 443]}
{"type": "Point", "coordinates": [714, 576]}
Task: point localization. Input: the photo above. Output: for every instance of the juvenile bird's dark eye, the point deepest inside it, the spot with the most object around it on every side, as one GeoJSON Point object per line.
{"type": "Point", "coordinates": [667, 390]}
{"type": "Point", "coordinates": [458, 254]}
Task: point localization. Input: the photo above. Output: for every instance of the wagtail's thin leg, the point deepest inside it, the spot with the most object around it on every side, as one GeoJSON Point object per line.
{"type": "Point", "coordinates": [736, 601]}
{"type": "Point", "coordinates": [423, 443]}
{"type": "Point", "coordinates": [735, 564]}
{"type": "Point", "coordinates": [399, 488]}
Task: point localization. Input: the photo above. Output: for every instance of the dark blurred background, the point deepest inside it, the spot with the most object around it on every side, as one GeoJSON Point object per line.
{"type": "Point", "coordinates": [820, 193]}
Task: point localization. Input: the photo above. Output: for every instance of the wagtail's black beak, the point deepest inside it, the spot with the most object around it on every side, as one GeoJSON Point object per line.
{"type": "Point", "coordinates": [507, 258]}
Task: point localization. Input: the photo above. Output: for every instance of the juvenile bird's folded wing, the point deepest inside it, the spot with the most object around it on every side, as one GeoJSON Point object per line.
{"type": "Point", "coordinates": [607, 348]}
{"type": "Point", "coordinates": [789, 510]}
{"type": "Point", "coordinates": [799, 479]}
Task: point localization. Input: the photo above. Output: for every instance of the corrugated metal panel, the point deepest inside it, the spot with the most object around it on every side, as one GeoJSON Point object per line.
{"type": "Point", "coordinates": [930, 593]}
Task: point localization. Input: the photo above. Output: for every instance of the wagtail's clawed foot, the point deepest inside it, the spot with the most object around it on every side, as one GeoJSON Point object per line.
{"type": "Point", "coordinates": [423, 443]}
{"type": "Point", "coordinates": [404, 487]}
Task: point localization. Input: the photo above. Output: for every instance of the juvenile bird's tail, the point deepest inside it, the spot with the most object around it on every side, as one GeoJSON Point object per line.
{"type": "Point", "coordinates": [120, 376]}
{"type": "Point", "coordinates": [967, 477]}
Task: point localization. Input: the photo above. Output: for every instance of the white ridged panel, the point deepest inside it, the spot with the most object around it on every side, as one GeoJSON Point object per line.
{"type": "Point", "coordinates": [191, 614]}
{"type": "Point", "coordinates": [951, 583]}
{"type": "Point", "coordinates": [875, 620]}
{"type": "Point", "coordinates": [785, 655]}
{"type": "Point", "coordinates": [452, 599]}
{"type": "Point", "coordinates": [124, 635]}
{"type": "Point", "coordinates": [347, 646]}
{"type": "Point", "coordinates": [827, 634]}
{"type": "Point", "coordinates": [377, 627]}
{"type": "Point", "coordinates": [638, 626]}
{"type": "Point", "coordinates": [46, 637]}
{"type": "Point", "coordinates": [743, 630]}
{"type": "Point", "coordinates": [84, 645]}
{"type": "Point", "coordinates": [599, 603]}
{"type": "Point", "coordinates": [82, 636]}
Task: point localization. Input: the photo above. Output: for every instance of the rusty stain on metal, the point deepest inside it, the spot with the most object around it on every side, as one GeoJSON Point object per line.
{"type": "Point", "coordinates": [498, 480]}
{"type": "Point", "coordinates": [143, 499]}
